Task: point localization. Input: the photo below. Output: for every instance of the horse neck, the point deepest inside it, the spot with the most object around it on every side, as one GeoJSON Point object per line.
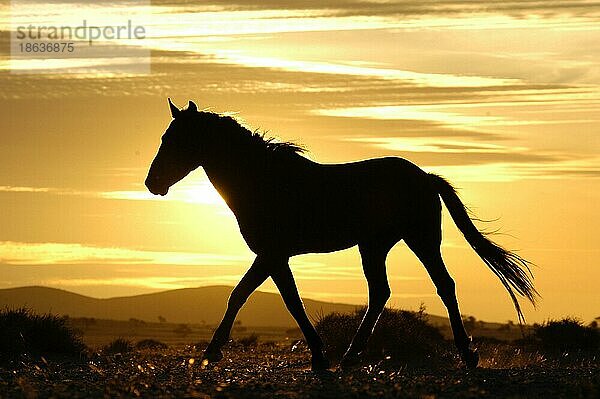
{"type": "Point", "coordinates": [234, 170]}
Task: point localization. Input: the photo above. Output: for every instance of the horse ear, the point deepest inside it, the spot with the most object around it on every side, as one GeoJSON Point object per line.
{"type": "Point", "coordinates": [192, 106]}
{"type": "Point", "coordinates": [174, 110]}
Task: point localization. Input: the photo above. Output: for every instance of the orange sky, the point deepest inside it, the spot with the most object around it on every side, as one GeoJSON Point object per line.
{"type": "Point", "coordinates": [502, 98]}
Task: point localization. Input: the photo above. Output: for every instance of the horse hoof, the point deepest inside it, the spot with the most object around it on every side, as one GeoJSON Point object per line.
{"type": "Point", "coordinates": [319, 364]}
{"type": "Point", "coordinates": [349, 362]}
{"type": "Point", "coordinates": [213, 356]}
{"type": "Point", "coordinates": [471, 358]}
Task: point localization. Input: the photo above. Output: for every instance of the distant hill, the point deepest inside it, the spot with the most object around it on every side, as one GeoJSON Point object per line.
{"type": "Point", "coordinates": [188, 305]}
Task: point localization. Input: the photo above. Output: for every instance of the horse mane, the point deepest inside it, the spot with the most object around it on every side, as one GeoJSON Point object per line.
{"type": "Point", "coordinates": [272, 144]}
{"type": "Point", "coordinates": [256, 138]}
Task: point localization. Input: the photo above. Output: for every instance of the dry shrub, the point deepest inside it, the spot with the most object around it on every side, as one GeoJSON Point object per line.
{"type": "Point", "coordinates": [566, 335]}
{"type": "Point", "coordinates": [400, 336]}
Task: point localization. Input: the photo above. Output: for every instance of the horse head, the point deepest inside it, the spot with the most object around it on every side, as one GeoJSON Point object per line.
{"type": "Point", "coordinates": [179, 151]}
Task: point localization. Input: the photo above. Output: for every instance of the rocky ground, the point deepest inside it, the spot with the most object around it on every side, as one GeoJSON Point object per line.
{"type": "Point", "coordinates": [282, 371]}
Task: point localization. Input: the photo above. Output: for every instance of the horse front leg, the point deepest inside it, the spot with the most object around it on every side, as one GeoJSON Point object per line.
{"type": "Point", "coordinates": [284, 280]}
{"type": "Point", "coordinates": [253, 278]}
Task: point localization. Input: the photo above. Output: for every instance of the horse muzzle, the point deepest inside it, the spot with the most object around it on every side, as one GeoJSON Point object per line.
{"type": "Point", "coordinates": [155, 189]}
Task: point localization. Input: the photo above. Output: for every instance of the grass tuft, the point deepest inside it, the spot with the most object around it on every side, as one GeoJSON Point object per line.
{"type": "Point", "coordinates": [119, 345]}
{"type": "Point", "coordinates": [150, 344]}
{"type": "Point", "coordinates": [24, 332]}
{"type": "Point", "coordinates": [249, 341]}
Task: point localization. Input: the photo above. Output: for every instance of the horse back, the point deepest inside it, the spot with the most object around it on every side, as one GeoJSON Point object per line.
{"type": "Point", "coordinates": [312, 207]}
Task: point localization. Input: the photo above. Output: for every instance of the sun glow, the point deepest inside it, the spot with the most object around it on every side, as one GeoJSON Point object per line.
{"type": "Point", "coordinates": [193, 190]}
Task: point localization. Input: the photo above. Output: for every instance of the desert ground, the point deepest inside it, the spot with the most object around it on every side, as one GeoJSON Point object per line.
{"type": "Point", "coordinates": [275, 363]}
{"type": "Point", "coordinates": [282, 371]}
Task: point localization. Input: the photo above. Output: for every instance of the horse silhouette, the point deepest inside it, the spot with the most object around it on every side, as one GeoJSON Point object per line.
{"type": "Point", "coordinates": [286, 205]}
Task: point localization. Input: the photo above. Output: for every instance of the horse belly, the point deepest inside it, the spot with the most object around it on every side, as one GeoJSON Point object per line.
{"type": "Point", "coordinates": [315, 229]}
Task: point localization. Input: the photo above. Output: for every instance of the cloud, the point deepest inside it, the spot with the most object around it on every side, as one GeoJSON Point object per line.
{"type": "Point", "coordinates": [482, 161]}
{"type": "Point", "coordinates": [22, 189]}
{"type": "Point", "coordinates": [193, 190]}
{"type": "Point", "coordinates": [528, 169]}
{"type": "Point", "coordinates": [588, 9]}
{"type": "Point", "coordinates": [195, 28]}
{"type": "Point", "coordinates": [332, 296]}
{"type": "Point", "coordinates": [410, 112]}
{"type": "Point", "coordinates": [436, 145]}
{"type": "Point", "coordinates": [149, 282]}
{"type": "Point", "coordinates": [408, 77]}
{"type": "Point", "coordinates": [19, 253]}
{"type": "Point", "coordinates": [221, 268]}
{"type": "Point", "coordinates": [41, 190]}
{"type": "Point", "coordinates": [167, 282]}
{"type": "Point", "coordinates": [520, 110]}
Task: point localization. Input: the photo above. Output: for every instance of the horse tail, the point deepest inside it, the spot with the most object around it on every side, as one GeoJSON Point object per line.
{"type": "Point", "coordinates": [512, 270]}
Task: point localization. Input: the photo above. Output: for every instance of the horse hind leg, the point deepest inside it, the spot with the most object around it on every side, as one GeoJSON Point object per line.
{"type": "Point", "coordinates": [373, 260]}
{"type": "Point", "coordinates": [428, 252]}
